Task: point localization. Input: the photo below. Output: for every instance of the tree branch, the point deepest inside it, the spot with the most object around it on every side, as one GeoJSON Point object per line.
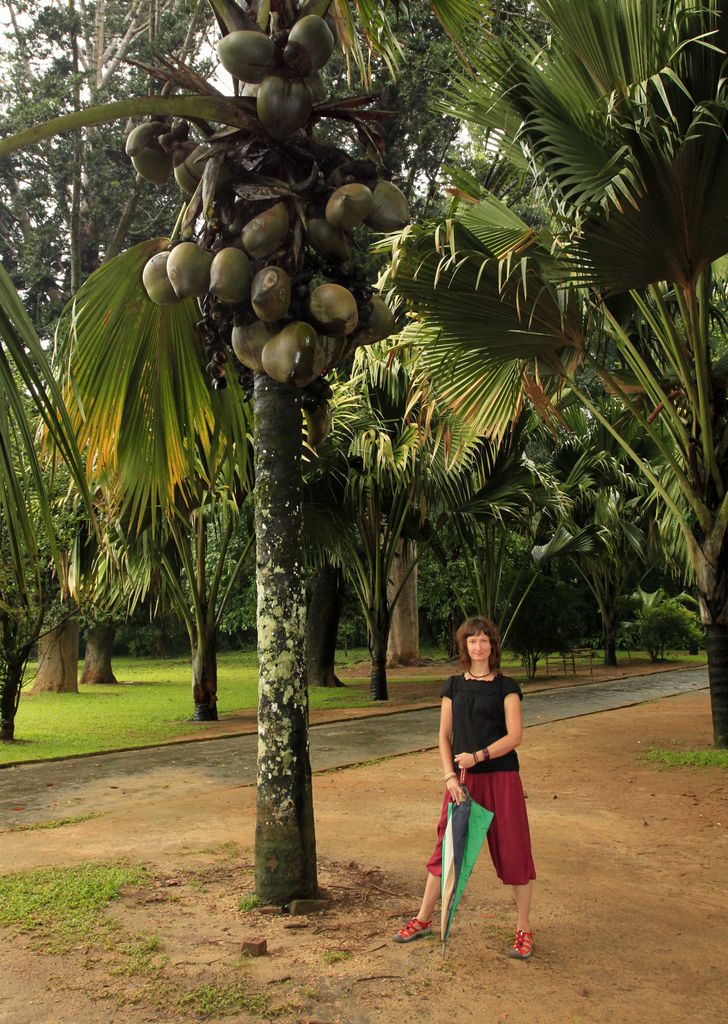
{"type": "Point", "coordinates": [19, 42]}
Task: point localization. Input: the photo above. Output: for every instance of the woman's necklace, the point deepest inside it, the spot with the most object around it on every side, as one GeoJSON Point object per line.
{"type": "Point", "coordinates": [488, 675]}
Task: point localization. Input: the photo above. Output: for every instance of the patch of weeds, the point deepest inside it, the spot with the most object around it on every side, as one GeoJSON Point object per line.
{"type": "Point", "coordinates": [142, 957]}
{"type": "Point", "coordinates": [498, 932]}
{"type": "Point", "coordinates": [221, 1000]}
{"type": "Point", "coordinates": [249, 902]}
{"type": "Point", "coordinates": [686, 758]}
{"type": "Point", "coordinates": [54, 823]}
{"type": "Point", "coordinates": [229, 849]}
{"type": "Point", "coordinates": [335, 956]}
{"type": "Point", "coordinates": [65, 905]}
{"type": "Point", "coordinates": [156, 992]}
{"type": "Point", "coordinates": [309, 992]}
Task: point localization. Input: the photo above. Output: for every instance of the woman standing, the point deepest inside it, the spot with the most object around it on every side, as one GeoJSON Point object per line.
{"type": "Point", "coordinates": [480, 727]}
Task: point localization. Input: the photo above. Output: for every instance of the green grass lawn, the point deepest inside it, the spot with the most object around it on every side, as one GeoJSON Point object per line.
{"type": "Point", "coordinates": [153, 703]}
{"type": "Point", "coordinates": [686, 758]}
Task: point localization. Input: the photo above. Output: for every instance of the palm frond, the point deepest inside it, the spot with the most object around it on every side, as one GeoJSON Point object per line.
{"type": "Point", "coordinates": [29, 390]}
{"type": "Point", "coordinates": [226, 110]}
{"type": "Point", "coordinates": [565, 543]}
{"type": "Point", "coordinates": [141, 405]}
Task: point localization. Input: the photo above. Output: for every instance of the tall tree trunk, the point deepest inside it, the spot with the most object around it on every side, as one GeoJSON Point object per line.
{"type": "Point", "coordinates": [322, 626]}
{"type": "Point", "coordinates": [403, 645]}
{"type": "Point", "coordinates": [716, 637]}
{"type": "Point", "coordinates": [453, 624]}
{"type": "Point", "coordinates": [78, 157]}
{"type": "Point", "coordinates": [285, 845]}
{"type": "Point", "coordinates": [610, 624]}
{"type": "Point", "coordinates": [378, 680]}
{"type": "Point", "coordinates": [12, 664]}
{"type": "Point", "coordinates": [97, 668]}
{"type": "Point", "coordinates": [378, 650]}
{"type": "Point", "coordinates": [58, 659]}
{"type": "Point", "coordinates": [122, 228]}
{"type": "Point", "coordinates": [711, 573]}
{"type": "Point", "coordinates": [204, 677]}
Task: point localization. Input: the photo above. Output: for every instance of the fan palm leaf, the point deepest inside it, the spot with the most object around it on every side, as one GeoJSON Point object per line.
{"type": "Point", "coordinates": [621, 122]}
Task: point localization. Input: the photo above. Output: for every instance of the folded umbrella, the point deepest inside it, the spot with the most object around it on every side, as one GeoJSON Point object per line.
{"type": "Point", "coordinates": [467, 827]}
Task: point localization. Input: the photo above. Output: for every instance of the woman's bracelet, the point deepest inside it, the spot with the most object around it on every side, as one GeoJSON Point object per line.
{"type": "Point", "coordinates": [450, 775]}
{"type": "Point", "coordinates": [484, 756]}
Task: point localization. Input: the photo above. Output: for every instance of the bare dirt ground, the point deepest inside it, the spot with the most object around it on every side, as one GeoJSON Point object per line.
{"type": "Point", "coordinates": [630, 911]}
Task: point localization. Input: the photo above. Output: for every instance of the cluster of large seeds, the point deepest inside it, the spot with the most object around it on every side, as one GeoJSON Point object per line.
{"type": "Point", "coordinates": [267, 243]}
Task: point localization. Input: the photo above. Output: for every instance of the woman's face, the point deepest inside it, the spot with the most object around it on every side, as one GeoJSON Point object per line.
{"type": "Point", "coordinates": [479, 647]}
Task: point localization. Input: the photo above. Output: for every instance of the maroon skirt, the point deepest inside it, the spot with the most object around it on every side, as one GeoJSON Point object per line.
{"type": "Point", "coordinates": [509, 838]}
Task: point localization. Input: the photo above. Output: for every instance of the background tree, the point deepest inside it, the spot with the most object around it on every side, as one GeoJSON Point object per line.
{"type": "Point", "coordinates": [180, 466]}
{"type": "Point", "coordinates": [607, 497]}
{"type": "Point", "coordinates": [285, 856]}
{"type": "Point", "coordinates": [612, 120]}
{"type": "Point", "coordinates": [66, 207]}
{"type": "Point", "coordinates": [26, 489]}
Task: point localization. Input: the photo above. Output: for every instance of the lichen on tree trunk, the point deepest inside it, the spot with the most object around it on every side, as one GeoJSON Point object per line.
{"type": "Point", "coordinates": [285, 846]}
{"type": "Point", "coordinates": [97, 668]}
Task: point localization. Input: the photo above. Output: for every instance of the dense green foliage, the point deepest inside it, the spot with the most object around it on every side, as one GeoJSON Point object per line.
{"type": "Point", "coordinates": [669, 626]}
{"type": "Point", "coordinates": [63, 204]}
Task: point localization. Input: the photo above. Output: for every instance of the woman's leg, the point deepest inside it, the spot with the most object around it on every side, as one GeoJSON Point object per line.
{"type": "Point", "coordinates": [429, 898]}
{"type": "Point", "coordinates": [523, 895]}
{"type": "Point", "coordinates": [419, 926]}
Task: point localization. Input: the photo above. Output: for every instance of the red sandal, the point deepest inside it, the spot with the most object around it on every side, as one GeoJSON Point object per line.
{"type": "Point", "coordinates": [522, 946]}
{"type": "Point", "coordinates": [414, 929]}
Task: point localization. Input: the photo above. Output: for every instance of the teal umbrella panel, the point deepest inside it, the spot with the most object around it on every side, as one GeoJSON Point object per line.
{"type": "Point", "coordinates": [467, 827]}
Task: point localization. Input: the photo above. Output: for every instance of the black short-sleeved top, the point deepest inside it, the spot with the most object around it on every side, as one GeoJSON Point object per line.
{"type": "Point", "coordinates": [479, 719]}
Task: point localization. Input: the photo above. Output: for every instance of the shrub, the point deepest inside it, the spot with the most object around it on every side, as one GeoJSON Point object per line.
{"type": "Point", "coordinates": [668, 626]}
{"type": "Point", "coordinates": [550, 619]}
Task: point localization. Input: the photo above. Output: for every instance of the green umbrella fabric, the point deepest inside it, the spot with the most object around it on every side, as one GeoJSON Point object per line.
{"type": "Point", "coordinates": [467, 827]}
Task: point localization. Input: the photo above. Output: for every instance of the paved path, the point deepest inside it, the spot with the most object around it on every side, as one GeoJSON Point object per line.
{"type": "Point", "coordinates": [41, 792]}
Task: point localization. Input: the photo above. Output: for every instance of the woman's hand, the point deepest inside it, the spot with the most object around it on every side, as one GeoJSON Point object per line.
{"type": "Point", "coordinates": [456, 791]}
{"type": "Point", "coordinates": [465, 760]}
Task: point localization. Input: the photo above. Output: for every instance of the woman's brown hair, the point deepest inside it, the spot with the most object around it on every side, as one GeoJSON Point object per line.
{"type": "Point", "coordinates": [479, 624]}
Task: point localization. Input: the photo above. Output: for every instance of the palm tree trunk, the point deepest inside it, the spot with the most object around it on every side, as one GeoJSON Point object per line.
{"type": "Point", "coordinates": [610, 648]}
{"type": "Point", "coordinates": [378, 650]}
{"type": "Point", "coordinates": [97, 659]}
{"type": "Point", "coordinates": [58, 659]}
{"type": "Point", "coordinates": [204, 676]}
{"type": "Point", "coordinates": [610, 624]}
{"type": "Point", "coordinates": [453, 622]}
{"type": "Point", "coordinates": [709, 562]}
{"type": "Point", "coordinates": [322, 626]}
{"type": "Point", "coordinates": [285, 845]}
{"type": "Point", "coordinates": [717, 646]}
{"type": "Point", "coordinates": [11, 678]}
{"type": "Point", "coordinates": [379, 620]}
{"type": "Point", "coordinates": [403, 642]}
